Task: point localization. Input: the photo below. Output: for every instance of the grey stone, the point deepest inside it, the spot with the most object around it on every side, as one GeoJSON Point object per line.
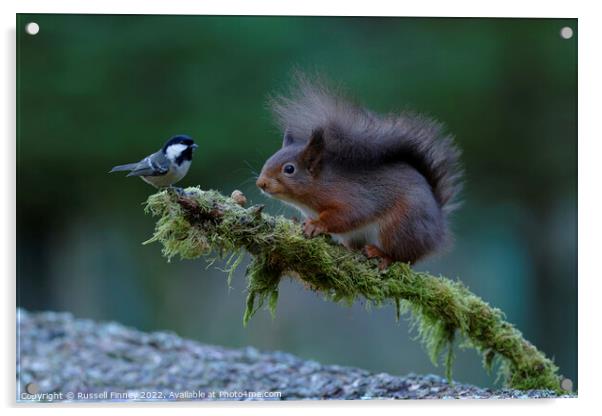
{"type": "Point", "coordinates": [110, 362]}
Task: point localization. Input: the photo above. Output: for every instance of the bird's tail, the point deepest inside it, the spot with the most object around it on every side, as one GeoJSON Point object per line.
{"type": "Point", "coordinates": [121, 168]}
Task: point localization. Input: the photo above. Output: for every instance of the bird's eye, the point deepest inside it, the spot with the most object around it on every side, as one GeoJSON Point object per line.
{"type": "Point", "coordinates": [288, 169]}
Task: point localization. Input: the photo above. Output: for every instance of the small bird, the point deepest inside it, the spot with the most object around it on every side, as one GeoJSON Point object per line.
{"type": "Point", "coordinates": [165, 167]}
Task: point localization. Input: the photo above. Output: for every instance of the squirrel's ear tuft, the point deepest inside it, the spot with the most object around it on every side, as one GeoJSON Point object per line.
{"type": "Point", "coordinates": [312, 154]}
{"type": "Point", "coordinates": [288, 138]}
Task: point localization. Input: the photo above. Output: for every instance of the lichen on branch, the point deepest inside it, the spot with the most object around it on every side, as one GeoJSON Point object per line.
{"type": "Point", "coordinates": [196, 223]}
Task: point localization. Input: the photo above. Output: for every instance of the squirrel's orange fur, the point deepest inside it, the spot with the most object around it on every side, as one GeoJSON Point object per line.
{"type": "Point", "coordinates": [383, 184]}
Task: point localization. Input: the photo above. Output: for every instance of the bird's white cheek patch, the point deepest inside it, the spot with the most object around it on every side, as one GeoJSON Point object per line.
{"type": "Point", "coordinates": [174, 151]}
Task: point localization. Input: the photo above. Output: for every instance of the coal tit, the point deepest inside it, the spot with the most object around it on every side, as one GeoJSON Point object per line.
{"type": "Point", "coordinates": [165, 167]}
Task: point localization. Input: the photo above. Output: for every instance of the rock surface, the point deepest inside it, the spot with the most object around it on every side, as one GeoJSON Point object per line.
{"type": "Point", "coordinates": [60, 358]}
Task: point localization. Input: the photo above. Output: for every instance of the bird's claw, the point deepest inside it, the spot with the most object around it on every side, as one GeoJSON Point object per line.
{"type": "Point", "coordinates": [176, 190]}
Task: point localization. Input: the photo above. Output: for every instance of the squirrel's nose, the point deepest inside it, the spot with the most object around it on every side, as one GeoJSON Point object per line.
{"type": "Point", "coordinates": [261, 183]}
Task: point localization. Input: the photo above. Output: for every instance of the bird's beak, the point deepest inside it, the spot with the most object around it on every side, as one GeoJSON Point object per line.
{"type": "Point", "coordinates": [194, 146]}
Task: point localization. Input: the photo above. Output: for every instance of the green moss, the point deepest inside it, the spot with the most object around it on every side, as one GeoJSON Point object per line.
{"type": "Point", "coordinates": [206, 222]}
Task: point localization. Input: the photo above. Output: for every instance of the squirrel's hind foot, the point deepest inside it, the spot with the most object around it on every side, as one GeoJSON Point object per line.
{"type": "Point", "coordinates": [372, 252]}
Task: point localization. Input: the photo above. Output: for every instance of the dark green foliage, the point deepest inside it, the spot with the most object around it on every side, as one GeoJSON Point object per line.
{"type": "Point", "coordinates": [204, 222]}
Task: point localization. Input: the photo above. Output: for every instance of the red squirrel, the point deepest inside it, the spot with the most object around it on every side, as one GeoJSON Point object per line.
{"type": "Point", "coordinates": [381, 184]}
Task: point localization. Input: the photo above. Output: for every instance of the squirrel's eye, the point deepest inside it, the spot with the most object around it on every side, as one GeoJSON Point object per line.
{"type": "Point", "coordinates": [288, 169]}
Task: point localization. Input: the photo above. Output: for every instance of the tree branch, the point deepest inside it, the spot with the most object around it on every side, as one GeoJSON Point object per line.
{"type": "Point", "coordinates": [196, 223]}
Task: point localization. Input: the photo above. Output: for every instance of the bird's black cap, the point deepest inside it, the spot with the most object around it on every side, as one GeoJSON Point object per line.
{"type": "Point", "coordinates": [178, 139]}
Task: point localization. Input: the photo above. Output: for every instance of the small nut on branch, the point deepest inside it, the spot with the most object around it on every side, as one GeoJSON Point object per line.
{"type": "Point", "coordinates": [239, 197]}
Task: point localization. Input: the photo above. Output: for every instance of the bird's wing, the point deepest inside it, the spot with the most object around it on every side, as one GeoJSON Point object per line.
{"type": "Point", "coordinates": [154, 165]}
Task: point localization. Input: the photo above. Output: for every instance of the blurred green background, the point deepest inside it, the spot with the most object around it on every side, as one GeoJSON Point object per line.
{"type": "Point", "coordinates": [99, 90]}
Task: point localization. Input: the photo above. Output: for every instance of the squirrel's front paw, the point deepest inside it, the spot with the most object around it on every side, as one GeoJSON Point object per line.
{"type": "Point", "coordinates": [313, 228]}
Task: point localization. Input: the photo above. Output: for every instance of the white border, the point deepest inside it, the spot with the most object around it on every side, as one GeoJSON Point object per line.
{"type": "Point", "coordinates": [467, 8]}
{"type": "Point", "coordinates": [590, 135]}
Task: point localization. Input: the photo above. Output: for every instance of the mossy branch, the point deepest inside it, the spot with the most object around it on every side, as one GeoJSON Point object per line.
{"type": "Point", "coordinates": [197, 223]}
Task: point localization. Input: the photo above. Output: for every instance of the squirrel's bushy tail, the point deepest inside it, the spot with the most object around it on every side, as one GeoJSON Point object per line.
{"type": "Point", "coordinates": [359, 136]}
